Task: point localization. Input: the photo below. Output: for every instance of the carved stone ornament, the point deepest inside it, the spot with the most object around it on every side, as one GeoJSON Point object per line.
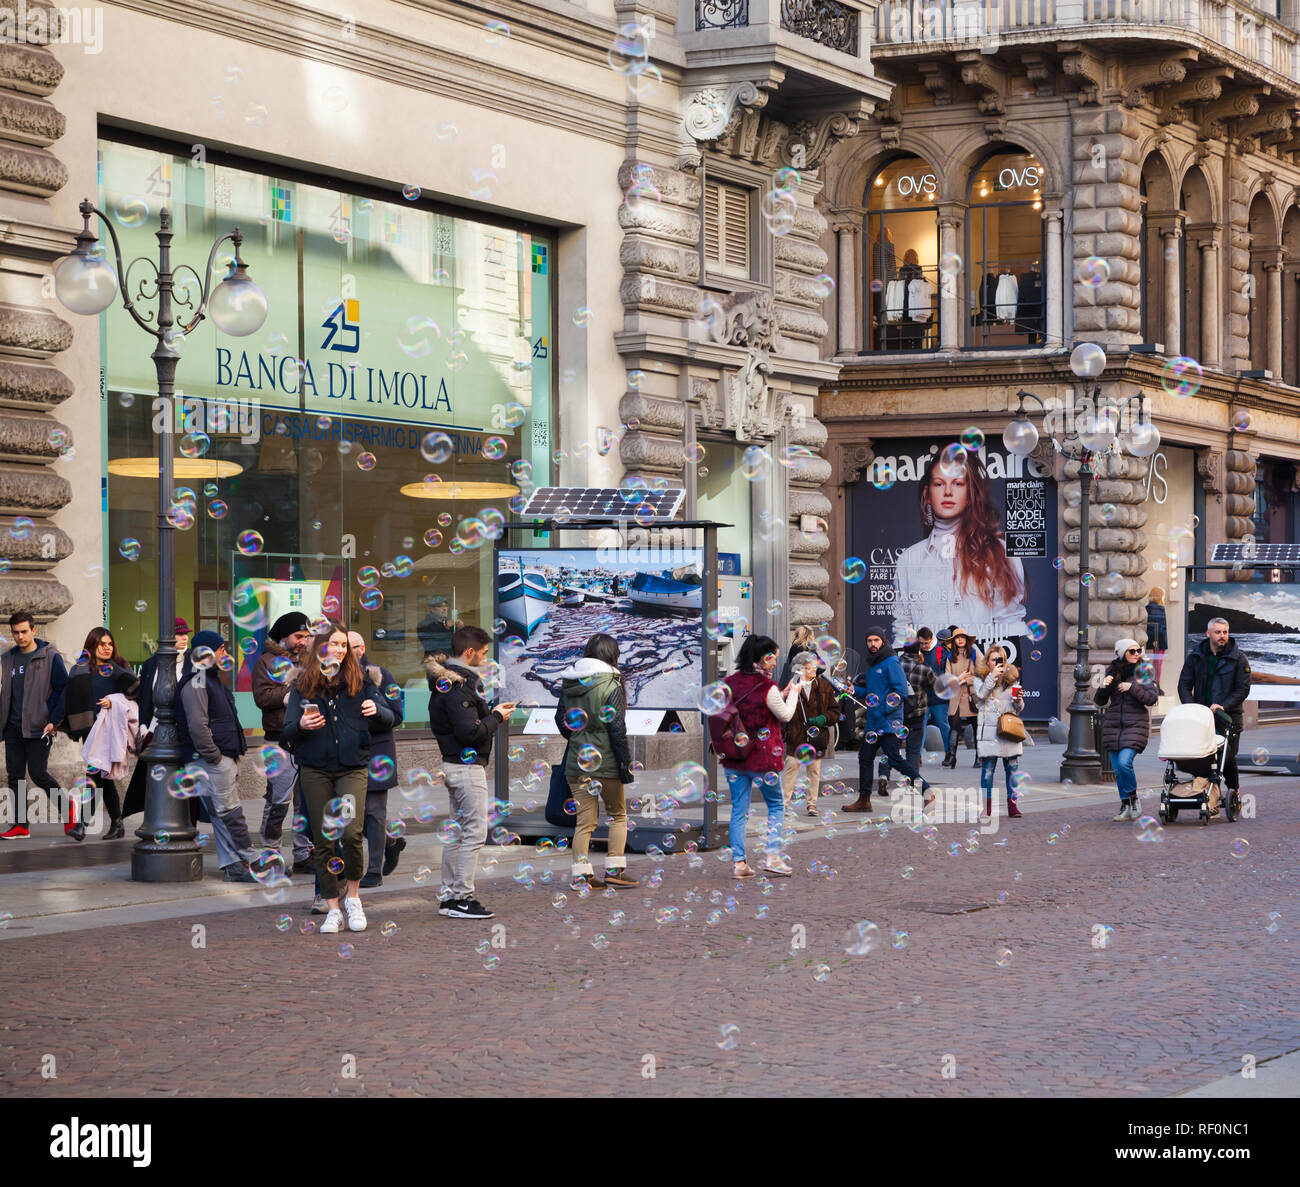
{"type": "Point", "coordinates": [748, 319]}
{"type": "Point", "coordinates": [978, 72]}
{"type": "Point", "coordinates": [854, 459]}
{"type": "Point", "coordinates": [708, 112]}
{"type": "Point", "coordinates": [754, 410]}
{"type": "Point", "coordinates": [818, 137]}
{"type": "Point", "coordinates": [1085, 69]}
{"type": "Point", "coordinates": [1210, 467]}
{"type": "Point", "coordinates": [1166, 72]}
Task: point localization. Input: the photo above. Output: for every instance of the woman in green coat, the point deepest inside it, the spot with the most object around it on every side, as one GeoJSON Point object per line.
{"type": "Point", "coordinates": [592, 716]}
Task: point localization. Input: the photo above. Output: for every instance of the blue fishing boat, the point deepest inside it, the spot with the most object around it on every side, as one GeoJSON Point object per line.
{"type": "Point", "coordinates": [667, 591]}
{"type": "Point", "coordinates": [524, 598]}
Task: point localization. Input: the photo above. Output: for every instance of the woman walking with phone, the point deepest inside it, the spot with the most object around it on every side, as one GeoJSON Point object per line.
{"type": "Point", "coordinates": [996, 693]}
{"type": "Point", "coordinates": [330, 716]}
{"type": "Point", "coordinates": [1126, 724]}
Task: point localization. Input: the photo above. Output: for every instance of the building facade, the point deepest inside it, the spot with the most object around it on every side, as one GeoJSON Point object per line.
{"type": "Point", "coordinates": [547, 243]}
{"type": "Point", "coordinates": [1120, 172]}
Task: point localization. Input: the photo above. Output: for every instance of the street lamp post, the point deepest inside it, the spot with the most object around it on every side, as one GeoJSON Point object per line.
{"type": "Point", "coordinates": [1096, 432]}
{"type": "Point", "coordinates": [167, 850]}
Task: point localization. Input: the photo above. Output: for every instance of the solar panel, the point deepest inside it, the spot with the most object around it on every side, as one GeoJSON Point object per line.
{"type": "Point", "coordinates": [1257, 554]}
{"type": "Point", "coordinates": [601, 502]}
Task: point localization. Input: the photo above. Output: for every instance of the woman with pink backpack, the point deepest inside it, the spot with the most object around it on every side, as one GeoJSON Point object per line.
{"type": "Point", "coordinates": [752, 751]}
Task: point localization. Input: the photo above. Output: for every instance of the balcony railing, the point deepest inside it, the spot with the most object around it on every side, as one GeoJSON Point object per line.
{"type": "Point", "coordinates": [1234, 24]}
{"type": "Point", "coordinates": [827, 22]}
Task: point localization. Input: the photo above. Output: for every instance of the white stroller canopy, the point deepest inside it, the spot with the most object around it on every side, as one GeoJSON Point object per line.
{"type": "Point", "coordinates": [1188, 732]}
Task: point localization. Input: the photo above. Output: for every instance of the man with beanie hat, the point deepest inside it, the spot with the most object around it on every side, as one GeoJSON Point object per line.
{"type": "Point", "coordinates": [209, 728]}
{"type": "Point", "coordinates": [273, 677]}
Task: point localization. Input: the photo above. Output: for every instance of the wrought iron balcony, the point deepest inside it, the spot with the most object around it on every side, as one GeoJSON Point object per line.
{"type": "Point", "coordinates": [827, 22]}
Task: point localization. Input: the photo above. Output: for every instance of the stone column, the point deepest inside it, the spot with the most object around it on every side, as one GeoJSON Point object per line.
{"type": "Point", "coordinates": [32, 333]}
{"type": "Point", "coordinates": [1173, 330]}
{"type": "Point", "coordinates": [1273, 341]}
{"type": "Point", "coordinates": [846, 283]}
{"type": "Point", "coordinates": [1211, 317]}
{"type": "Point", "coordinates": [1054, 292]}
{"type": "Point", "coordinates": [950, 297]}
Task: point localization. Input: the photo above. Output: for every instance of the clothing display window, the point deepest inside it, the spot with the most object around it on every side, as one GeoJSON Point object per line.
{"type": "Point", "coordinates": [902, 257]}
{"type": "Point", "coordinates": [1005, 248]}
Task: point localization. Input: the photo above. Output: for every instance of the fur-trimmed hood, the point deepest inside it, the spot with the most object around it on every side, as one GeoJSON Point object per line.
{"type": "Point", "coordinates": [586, 668]}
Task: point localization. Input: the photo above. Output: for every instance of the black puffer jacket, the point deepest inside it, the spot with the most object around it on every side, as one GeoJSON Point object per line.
{"type": "Point", "coordinates": [458, 714]}
{"type": "Point", "coordinates": [343, 742]}
{"type": "Point", "coordinates": [1127, 720]}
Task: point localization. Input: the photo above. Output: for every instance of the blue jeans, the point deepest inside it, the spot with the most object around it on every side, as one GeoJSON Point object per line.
{"type": "Point", "coordinates": [1126, 782]}
{"type": "Point", "coordinates": [939, 715]}
{"type": "Point", "coordinates": [989, 770]}
{"type": "Point", "coordinates": [741, 785]}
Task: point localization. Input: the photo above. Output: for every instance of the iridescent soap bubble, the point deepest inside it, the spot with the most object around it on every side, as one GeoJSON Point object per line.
{"type": "Point", "coordinates": [1240, 848]}
{"type": "Point", "coordinates": [1094, 271]}
{"type": "Point", "coordinates": [1259, 756]}
{"type": "Point", "coordinates": [131, 211]}
{"type": "Point", "coordinates": [862, 939]}
{"type": "Point", "coordinates": [853, 570]}
{"type": "Point", "coordinates": [410, 192]}
{"type": "Point", "coordinates": [730, 1036]}
{"type": "Point", "coordinates": [1037, 629]}
{"type": "Point", "coordinates": [250, 542]}
{"type": "Point", "coordinates": [130, 548]}
{"type": "Point", "coordinates": [714, 698]}
{"type": "Point", "coordinates": [217, 509]}
{"type": "Point", "coordinates": [1149, 830]}
{"type": "Point", "coordinates": [1002, 957]}
{"type": "Point", "coordinates": [366, 460]}
{"type": "Point", "coordinates": [1181, 377]}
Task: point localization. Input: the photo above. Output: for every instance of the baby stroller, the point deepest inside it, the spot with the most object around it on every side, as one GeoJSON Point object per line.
{"type": "Point", "coordinates": [1190, 743]}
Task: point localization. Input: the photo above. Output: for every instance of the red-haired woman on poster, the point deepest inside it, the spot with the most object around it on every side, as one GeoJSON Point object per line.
{"type": "Point", "coordinates": [960, 572]}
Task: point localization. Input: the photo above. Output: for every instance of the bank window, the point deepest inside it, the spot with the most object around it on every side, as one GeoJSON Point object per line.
{"type": "Point", "coordinates": [902, 257]}
{"type": "Point", "coordinates": [727, 229]}
{"type": "Point", "coordinates": [1005, 248]}
{"type": "Point", "coordinates": [355, 457]}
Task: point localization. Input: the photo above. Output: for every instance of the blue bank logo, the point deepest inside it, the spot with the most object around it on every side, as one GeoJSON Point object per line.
{"type": "Point", "coordinates": [343, 321]}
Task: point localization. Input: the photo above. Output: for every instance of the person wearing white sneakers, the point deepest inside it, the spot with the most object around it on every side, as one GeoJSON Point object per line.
{"type": "Point", "coordinates": [1126, 724]}
{"type": "Point", "coordinates": [328, 722]}
{"type": "Point", "coordinates": [752, 751]}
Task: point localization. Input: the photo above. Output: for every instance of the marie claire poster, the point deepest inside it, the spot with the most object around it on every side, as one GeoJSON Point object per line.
{"type": "Point", "coordinates": [950, 537]}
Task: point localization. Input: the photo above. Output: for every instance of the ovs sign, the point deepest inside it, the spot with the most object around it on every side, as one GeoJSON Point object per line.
{"type": "Point", "coordinates": [1012, 178]}
{"type": "Point", "coordinates": [925, 185]}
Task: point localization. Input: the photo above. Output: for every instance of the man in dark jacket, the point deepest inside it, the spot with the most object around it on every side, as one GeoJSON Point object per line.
{"type": "Point", "coordinates": [936, 708]}
{"type": "Point", "coordinates": [273, 676]}
{"type": "Point", "coordinates": [921, 680]}
{"type": "Point", "coordinates": [463, 725]}
{"type": "Point", "coordinates": [383, 849]}
{"type": "Point", "coordinates": [1218, 674]}
{"type": "Point", "coordinates": [32, 684]}
{"type": "Point", "coordinates": [210, 731]}
{"type": "Point", "coordinates": [435, 628]}
{"type": "Point", "coordinates": [882, 687]}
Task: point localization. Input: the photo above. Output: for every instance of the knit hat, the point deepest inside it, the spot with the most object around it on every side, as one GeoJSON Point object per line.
{"type": "Point", "coordinates": [182, 627]}
{"type": "Point", "coordinates": [209, 639]}
{"type": "Point", "coordinates": [879, 631]}
{"type": "Point", "coordinates": [286, 624]}
{"type": "Point", "coordinates": [804, 657]}
{"type": "Point", "coordinates": [1122, 645]}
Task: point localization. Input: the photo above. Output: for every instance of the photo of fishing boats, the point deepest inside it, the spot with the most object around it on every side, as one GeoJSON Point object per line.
{"type": "Point", "coordinates": [552, 602]}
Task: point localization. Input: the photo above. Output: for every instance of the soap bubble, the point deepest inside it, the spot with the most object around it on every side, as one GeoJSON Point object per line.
{"type": "Point", "coordinates": [853, 570]}
{"type": "Point", "coordinates": [730, 1036]}
{"type": "Point", "coordinates": [1240, 848]}
{"type": "Point", "coordinates": [249, 543]}
{"type": "Point", "coordinates": [130, 548]}
{"type": "Point", "coordinates": [410, 192]}
{"type": "Point", "coordinates": [436, 448]}
{"type": "Point", "coordinates": [1102, 935]}
{"type": "Point", "coordinates": [1094, 271]}
{"type": "Point", "coordinates": [862, 939]}
{"type": "Point", "coordinates": [1149, 830]}
{"type": "Point", "coordinates": [1181, 377]}
{"type": "Point", "coordinates": [1259, 756]}
{"type": "Point", "coordinates": [714, 698]}
{"type": "Point", "coordinates": [1002, 957]}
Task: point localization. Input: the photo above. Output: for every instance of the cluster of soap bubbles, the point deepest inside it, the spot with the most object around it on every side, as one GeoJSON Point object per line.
{"type": "Point", "coordinates": [779, 206]}
{"type": "Point", "coordinates": [629, 55]}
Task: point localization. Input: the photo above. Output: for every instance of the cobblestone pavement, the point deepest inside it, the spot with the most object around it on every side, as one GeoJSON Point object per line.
{"type": "Point", "coordinates": [1191, 981]}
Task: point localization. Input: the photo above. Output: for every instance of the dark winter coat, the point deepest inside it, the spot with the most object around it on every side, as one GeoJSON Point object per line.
{"type": "Point", "coordinates": [384, 744]}
{"type": "Point", "coordinates": [882, 679]}
{"type": "Point", "coordinates": [1127, 720]}
{"type": "Point", "coordinates": [206, 716]}
{"type": "Point", "coordinates": [458, 715]}
{"type": "Point", "coordinates": [270, 694]}
{"type": "Point", "coordinates": [594, 686]}
{"type": "Point", "coordinates": [1157, 628]}
{"type": "Point", "coordinates": [343, 743]}
{"type": "Point", "coordinates": [87, 686]}
{"type": "Point", "coordinates": [821, 700]}
{"type": "Point", "coordinates": [921, 679]}
{"type": "Point", "coordinates": [1231, 683]}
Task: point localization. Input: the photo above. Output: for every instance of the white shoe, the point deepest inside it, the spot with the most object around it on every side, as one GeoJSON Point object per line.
{"type": "Point", "coordinates": [1125, 813]}
{"type": "Point", "coordinates": [356, 916]}
{"type": "Point", "coordinates": [333, 922]}
{"type": "Point", "coordinates": [778, 867]}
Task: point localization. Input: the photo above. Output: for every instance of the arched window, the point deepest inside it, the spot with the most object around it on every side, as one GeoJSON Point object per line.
{"type": "Point", "coordinates": [1291, 297]}
{"type": "Point", "coordinates": [1263, 254]}
{"type": "Point", "coordinates": [1194, 200]}
{"type": "Point", "coordinates": [1161, 262]}
{"type": "Point", "coordinates": [1004, 250]}
{"type": "Point", "coordinates": [901, 264]}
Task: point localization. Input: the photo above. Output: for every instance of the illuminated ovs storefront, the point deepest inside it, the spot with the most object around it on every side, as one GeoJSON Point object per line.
{"type": "Point", "coordinates": [354, 456]}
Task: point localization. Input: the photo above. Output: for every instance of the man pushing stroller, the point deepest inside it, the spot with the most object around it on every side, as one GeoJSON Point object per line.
{"type": "Point", "coordinates": [1217, 674]}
